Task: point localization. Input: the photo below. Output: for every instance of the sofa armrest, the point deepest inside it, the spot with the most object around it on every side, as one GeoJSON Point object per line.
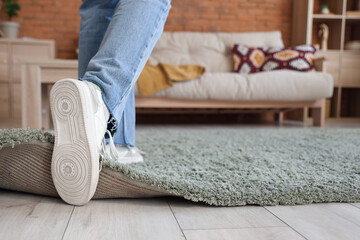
{"type": "Point", "coordinates": [319, 64]}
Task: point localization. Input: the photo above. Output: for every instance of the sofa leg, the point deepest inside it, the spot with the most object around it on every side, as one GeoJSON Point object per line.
{"type": "Point", "coordinates": [318, 113]}
{"type": "Point", "coordinates": [279, 117]}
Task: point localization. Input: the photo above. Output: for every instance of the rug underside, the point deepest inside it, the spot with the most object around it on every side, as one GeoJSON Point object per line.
{"type": "Point", "coordinates": [235, 166]}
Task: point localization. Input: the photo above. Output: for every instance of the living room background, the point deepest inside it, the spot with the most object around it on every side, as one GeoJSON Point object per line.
{"type": "Point", "coordinates": [59, 19]}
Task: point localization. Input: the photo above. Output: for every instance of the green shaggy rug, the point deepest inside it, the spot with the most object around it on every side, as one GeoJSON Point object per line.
{"type": "Point", "coordinates": [234, 166]}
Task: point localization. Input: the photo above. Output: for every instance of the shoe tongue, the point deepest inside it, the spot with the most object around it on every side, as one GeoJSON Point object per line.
{"type": "Point", "coordinates": [100, 101]}
{"type": "Point", "coordinates": [101, 113]}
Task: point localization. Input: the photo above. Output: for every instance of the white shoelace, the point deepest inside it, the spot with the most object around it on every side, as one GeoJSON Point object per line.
{"type": "Point", "coordinates": [104, 154]}
{"type": "Point", "coordinates": [114, 155]}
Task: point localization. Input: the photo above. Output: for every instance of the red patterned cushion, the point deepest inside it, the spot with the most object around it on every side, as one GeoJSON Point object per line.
{"type": "Point", "coordinates": [299, 58]}
{"type": "Point", "coordinates": [247, 59]}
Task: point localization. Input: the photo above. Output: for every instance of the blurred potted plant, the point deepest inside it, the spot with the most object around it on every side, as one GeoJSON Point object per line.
{"type": "Point", "coordinates": [9, 28]}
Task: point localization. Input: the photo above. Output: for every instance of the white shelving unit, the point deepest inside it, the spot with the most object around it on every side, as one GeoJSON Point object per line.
{"type": "Point", "coordinates": [344, 65]}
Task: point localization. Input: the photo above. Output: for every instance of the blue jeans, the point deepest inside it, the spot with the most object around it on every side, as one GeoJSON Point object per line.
{"type": "Point", "coordinates": [116, 40]}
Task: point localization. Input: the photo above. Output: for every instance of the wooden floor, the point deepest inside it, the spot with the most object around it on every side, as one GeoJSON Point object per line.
{"type": "Point", "coordinates": [27, 216]}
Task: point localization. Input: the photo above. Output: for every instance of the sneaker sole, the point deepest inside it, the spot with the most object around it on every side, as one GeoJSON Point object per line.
{"type": "Point", "coordinates": [75, 160]}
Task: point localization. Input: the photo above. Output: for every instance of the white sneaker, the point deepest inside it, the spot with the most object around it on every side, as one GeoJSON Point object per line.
{"type": "Point", "coordinates": [124, 153]}
{"type": "Point", "coordinates": [80, 120]}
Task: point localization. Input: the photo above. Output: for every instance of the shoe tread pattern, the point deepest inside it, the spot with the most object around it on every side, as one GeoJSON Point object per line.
{"type": "Point", "coordinates": [72, 161]}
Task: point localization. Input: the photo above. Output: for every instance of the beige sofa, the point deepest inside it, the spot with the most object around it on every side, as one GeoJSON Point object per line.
{"type": "Point", "coordinates": [219, 90]}
{"type": "Point", "coordinates": [222, 90]}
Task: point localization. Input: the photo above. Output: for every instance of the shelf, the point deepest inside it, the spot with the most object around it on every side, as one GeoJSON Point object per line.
{"type": "Point", "coordinates": [329, 51]}
{"type": "Point", "coordinates": [343, 120]}
{"type": "Point", "coordinates": [352, 32]}
{"type": "Point", "coordinates": [342, 64]}
{"type": "Point", "coordinates": [334, 25]}
{"type": "Point", "coordinates": [349, 102]}
{"type": "Point", "coordinates": [352, 6]}
{"type": "Point", "coordinates": [335, 6]}
{"type": "Point", "coordinates": [352, 19]}
{"type": "Point", "coordinates": [351, 52]}
{"type": "Point", "coordinates": [327, 16]}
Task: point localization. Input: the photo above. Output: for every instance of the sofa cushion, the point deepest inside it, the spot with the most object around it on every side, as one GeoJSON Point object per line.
{"type": "Point", "coordinates": [279, 85]}
{"type": "Point", "coordinates": [209, 49]}
{"type": "Point", "coordinates": [299, 58]}
{"type": "Point", "coordinates": [247, 59]}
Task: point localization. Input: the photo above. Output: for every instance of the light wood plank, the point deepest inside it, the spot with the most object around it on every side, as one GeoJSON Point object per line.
{"type": "Point", "coordinates": [26, 216]}
{"type": "Point", "coordinates": [319, 115]}
{"type": "Point", "coordinates": [200, 216]}
{"type": "Point", "coordinates": [31, 97]}
{"type": "Point", "coordinates": [29, 41]}
{"type": "Point", "coordinates": [356, 205]}
{"type": "Point", "coordinates": [4, 101]}
{"type": "Point", "coordinates": [273, 233]}
{"type": "Point", "coordinates": [321, 221]}
{"type": "Point", "coordinates": [52, 75]}
{"type": "Point", "coordinates": [22, 52]}
{"type": "Point", "coordinates": [16, 101]}
{"type": "Point", "coordinates": [4, 59]}
{"type": "Point", "coordinates": [350, 71]}
{"type": "Point", "coordinates": [331, 64]}
{"type": "Point", "coordinates": [124, 219]}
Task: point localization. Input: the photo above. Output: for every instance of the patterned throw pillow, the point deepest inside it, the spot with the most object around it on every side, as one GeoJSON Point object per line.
{"type": "Point", "coordinates": [299, 58]}
{"type": "Point", "coordinates": [247, 59]}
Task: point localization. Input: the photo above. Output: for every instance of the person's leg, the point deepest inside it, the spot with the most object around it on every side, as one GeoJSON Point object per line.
{"type": "Point", "coordinates": [129, 40]}
{"type": "Point", "coordinates": [80, 109]}
{"type": "Point", "coordinates": [79, 115]}
{"type": "Point", "coordinates": [95, 18]}
{"type": "Point", "coordinates": [125, 130]}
